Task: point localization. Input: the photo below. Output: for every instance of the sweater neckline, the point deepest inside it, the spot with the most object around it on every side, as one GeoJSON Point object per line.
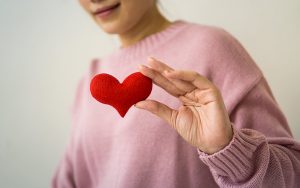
{"type": "Point", "coordinates": [144, 46]}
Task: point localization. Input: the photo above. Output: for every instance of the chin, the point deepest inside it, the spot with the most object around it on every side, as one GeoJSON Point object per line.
{"type": "Point", "coordinates": [112, 28]}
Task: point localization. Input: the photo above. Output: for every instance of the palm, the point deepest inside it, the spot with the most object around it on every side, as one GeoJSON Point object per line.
{"type": "Point", "coordinates": [202, 119]}
{"type": "Point", "coordinates": [197, 122]}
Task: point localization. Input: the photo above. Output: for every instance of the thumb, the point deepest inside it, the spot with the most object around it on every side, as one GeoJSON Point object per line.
{"type": "Point", "coordinates": [159, 109]}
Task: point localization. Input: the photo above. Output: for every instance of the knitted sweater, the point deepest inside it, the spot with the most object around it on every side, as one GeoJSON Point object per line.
{"type": "Point", "coordinates": [141, 150]}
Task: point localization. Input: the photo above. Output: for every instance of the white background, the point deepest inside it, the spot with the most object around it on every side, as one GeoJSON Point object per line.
{"type": "Point", "coordinates": [45, 46]}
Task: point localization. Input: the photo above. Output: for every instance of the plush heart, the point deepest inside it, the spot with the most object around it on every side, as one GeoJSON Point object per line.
{"type": "Point", "coordinates": [108, 90]}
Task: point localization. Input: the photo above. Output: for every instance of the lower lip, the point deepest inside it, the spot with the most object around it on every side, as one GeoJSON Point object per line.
{"type": "Point", "coordinates": [107, 13]}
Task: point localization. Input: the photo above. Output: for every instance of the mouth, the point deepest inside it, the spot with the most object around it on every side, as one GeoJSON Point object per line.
{"type": "Point", "coordinates": [106, 10]}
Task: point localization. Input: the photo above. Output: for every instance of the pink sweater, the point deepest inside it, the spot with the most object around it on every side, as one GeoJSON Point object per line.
{"type": "Point", "coordinates": [142, 151]}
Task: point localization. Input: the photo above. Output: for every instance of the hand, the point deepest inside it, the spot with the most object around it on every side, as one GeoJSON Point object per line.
{"type": "Point", "coordinates": [202, 120]}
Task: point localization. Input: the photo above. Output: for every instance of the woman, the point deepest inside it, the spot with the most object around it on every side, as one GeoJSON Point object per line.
{"type": "Point", "coordinates": [217, 123]}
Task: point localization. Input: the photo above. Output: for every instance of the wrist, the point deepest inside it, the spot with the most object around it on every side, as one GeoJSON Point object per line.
{"type": "Point", "coordinates": [228, 136]}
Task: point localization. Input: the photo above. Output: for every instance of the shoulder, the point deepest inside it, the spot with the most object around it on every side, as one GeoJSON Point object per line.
{"type": "Point", "coordinates": [208, 33]}
{"type": "Point", "coordinates": [83, 83]}
{"type": "Point", "coordinates": [227, 62]}
{"type": "Point", "coordinates": [211, 42]}
{"type": "Point", "coordinates": [91, 70]}
{"type": "Point", "coordinates": [93, 67]}
{"type": "Point", "coordinates": [218, 49]}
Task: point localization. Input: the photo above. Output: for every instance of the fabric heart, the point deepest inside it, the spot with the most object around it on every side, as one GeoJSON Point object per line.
{"type": "Point", "coordinates": [108, 90]}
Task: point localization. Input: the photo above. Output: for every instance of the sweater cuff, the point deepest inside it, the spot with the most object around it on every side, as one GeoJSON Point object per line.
{"type": "Point", "coordinates": [236, 160]}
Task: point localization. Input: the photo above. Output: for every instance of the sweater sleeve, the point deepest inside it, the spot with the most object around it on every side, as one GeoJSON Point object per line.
{"type": "Point", "coordinates": [73, 162]}
{"type": "Point", "coordinates": [64, 174]}
{"type": "Point", "coordinates": [262, 152]}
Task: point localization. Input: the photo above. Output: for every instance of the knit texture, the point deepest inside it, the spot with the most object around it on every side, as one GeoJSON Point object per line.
{"type": "Point", "coordinates": [107, 89]}
{"type": "Point", "coordinates": [141, 150]}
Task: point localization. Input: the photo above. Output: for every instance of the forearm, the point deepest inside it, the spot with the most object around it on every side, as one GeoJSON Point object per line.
{"type": "Point", "coordinates": [251, 161]}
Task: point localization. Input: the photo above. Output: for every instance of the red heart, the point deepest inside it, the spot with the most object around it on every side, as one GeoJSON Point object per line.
{"type": "Point", "coordinates": [108, 90]}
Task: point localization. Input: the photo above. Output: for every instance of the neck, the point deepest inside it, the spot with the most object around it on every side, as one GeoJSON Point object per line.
{"type": "Point", "coordinates": [148, 25]}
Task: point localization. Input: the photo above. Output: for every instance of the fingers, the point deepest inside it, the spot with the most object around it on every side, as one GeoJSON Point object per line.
{"type": "Point", "coordinates": [176, 82]}
{"type": "Point", "coordinates": [161, 81]}
{"type": "Point", "coordinates": [199, 97]}
{"type": "Point", "coordinates": [205, 93]}
{"type": "Point", "coordinates": [181, 84]}
{"type": "Point", "coordinates": [188, 102]}
{"type": "Point", "coordinates": [159, 109]}
{"type": "Point", "coordinates": [190, 76]}
{"type": "Point", "coordinates": [162, 68]}
{"type": "Point", "coordinates": [158, 65]}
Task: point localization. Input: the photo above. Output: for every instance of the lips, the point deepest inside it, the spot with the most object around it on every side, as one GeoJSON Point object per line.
{"type": "Point", "coordinates": [100, 10]}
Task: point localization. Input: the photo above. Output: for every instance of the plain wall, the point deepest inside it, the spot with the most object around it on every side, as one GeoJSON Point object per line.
{"type": "Point", "coordinates": [46, 46]}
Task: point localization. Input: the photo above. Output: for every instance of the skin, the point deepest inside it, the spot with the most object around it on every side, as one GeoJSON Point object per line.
{"type": "Point", "coordinates": [132, 21]}
{"type": "Point", "coordinates": [202, 120]}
